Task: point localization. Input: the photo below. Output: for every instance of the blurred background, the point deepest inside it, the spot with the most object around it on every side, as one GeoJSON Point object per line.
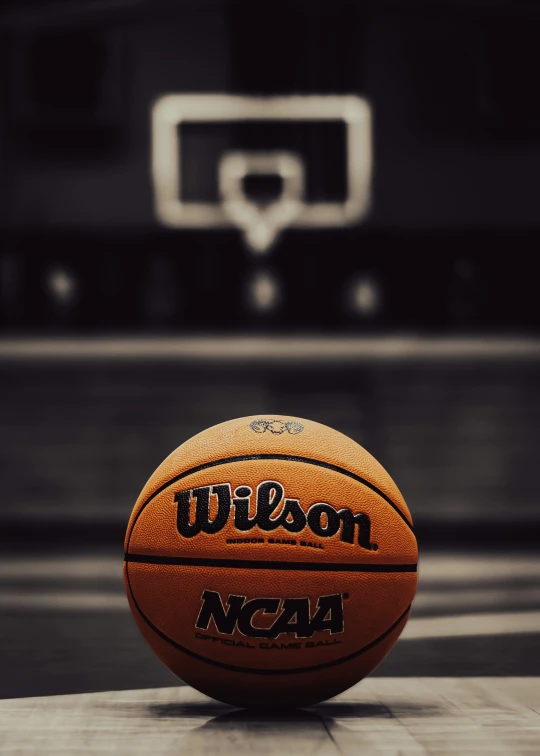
{"type": "Point", "coordinates": [411, 325]}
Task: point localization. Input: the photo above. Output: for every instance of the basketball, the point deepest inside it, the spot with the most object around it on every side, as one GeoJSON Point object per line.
{"type": "Point", "coordinates": [270, 561]}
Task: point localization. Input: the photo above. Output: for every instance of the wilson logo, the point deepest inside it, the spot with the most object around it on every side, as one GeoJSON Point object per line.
{"type": "Point", "coordinates": [271, 511]}
{"type": "Point", "coordinates": [292, 615]}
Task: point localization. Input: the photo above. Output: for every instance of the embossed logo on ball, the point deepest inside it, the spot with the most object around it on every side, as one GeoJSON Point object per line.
{"type": "Point", "coordinates": [276, 426]}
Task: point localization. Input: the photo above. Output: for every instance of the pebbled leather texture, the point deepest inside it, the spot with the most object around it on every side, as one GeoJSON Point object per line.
{"type": "Point", "coordinates": [321, 466]}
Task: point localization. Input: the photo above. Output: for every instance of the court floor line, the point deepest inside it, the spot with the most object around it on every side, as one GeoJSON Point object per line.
{"type": "Point", "coordinates": [275, 348]}
{"type": "Point", "coordinates": [464, 598]}
{"type": "Point", "coordinates": [458, 625]}
{"type": "Point", "coordinates": [438, 569]}
{"type": "Point", "coordinates": [467, 625]}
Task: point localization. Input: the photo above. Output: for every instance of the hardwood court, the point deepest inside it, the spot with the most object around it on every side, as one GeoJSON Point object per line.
{"type": "Point", "coordinates": [390, 716]}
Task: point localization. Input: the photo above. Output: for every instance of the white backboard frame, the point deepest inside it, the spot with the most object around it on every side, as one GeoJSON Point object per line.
{"type": "Point", "coordinates": [173, 110]}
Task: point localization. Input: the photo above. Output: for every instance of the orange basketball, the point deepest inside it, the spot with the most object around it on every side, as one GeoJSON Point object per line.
{"type": "Point", "coordinates": [270, 560]}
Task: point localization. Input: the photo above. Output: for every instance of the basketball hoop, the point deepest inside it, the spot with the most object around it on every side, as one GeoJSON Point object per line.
{"type": "Point", "coordinates": [261, 223]}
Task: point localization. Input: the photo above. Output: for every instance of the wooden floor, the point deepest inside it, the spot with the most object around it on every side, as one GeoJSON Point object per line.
{"type": "Point", "coordinates": [390, 716]}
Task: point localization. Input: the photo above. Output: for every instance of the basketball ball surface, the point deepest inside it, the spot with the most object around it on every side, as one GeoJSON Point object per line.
{"type": "Point", "coordinates": [270, 561]}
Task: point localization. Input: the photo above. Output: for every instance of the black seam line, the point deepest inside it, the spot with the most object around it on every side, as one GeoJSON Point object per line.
{"type": "Point", "coordinates": [254, 564]}
{"type": "Point", "coordinates": [285, 457]}
{"type": "Point", "coordinates": [253, 670]}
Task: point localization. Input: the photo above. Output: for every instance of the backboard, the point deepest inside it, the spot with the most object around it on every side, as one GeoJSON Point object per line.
{"type": "Point", "coordinates": [260, 223]}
